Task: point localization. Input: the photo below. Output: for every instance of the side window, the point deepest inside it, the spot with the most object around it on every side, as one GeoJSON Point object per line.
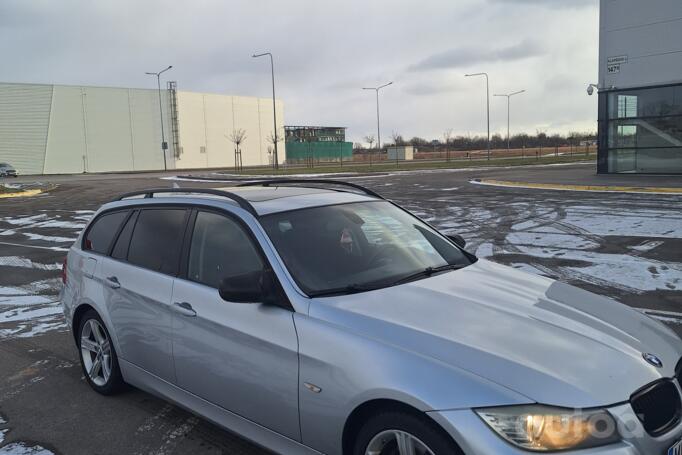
{"type": "Point", "coordinates": [157, 239]}
{"type": "Point", "coordinates": [220, 248]}
{"type": "Point", "coordinates": [102, 232]}
{"type": "Point", "coordinates": [120, 250]}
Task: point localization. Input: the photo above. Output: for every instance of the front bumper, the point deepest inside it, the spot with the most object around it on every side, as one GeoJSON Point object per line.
{"type": "Point", "coordinates": [476, 438]}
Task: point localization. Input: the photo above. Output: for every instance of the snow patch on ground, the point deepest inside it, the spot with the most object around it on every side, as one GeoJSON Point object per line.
{"type": "Point", "coordinates": [649, 223]}
{"type": "Point", "coordinates": [16, 261]}
{"type": "Point", "coordinates": [566, 241]}
{"type": "Point", "coordinates": [21, 448]}
{"type": "Point", "coordinates": [60, 224]}
{"type": "Point", "coordinates": [622, 270]}
{"type": "Point", "coordinates": [49, 238]}
{"type": "Point", "coordinates": [31, 320]}
{"type": "Point", "coordinates": [484, 250]}
{"type": "Point", "coordinates": [23, 221]}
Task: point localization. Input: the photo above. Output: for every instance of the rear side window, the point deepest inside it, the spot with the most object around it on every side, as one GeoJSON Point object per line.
{"type": "Point", "coordinates": [102, 232]}
{"type": "Point", "coordinates": [120, 250]}
{"type": "Point", "coordinates": [220, 249]}
{"type": "Point", "coordinates": [157, 239]}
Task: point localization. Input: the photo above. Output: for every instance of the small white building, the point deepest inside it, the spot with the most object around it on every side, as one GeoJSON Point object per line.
{"type": "Point", "coordinates": [60, 129]}
{"type": "Point", "coordinates": [401, 152]}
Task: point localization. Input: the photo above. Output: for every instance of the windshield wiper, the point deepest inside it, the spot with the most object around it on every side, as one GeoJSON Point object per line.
{"type": "Point", "coordinates": [345, 290]}
{"type": "Point", "coordinates": [356, 288]}
{"type": "Point", "coordinates": [427, 272]}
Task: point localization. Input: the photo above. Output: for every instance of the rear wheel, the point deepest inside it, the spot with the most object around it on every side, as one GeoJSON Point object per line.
{"type": "Point", "coordinates": [98, 356]}
{"type": "Point", "coordinates": [402, 433]}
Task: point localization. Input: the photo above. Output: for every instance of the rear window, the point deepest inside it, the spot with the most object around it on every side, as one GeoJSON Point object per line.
{"type": "Point", "coordinates": [157, 238]}
{"type": "Point", "coordinates": [102, 231]}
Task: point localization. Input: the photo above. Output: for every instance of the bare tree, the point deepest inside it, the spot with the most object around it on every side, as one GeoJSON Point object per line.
{"type": "Point", "coordinates": [272, 139]}
{"type": "Point", "coordinates": [237, 137]}
{"type": "Point", "coordinates": [447, 140]}
{"type": "Point", "coordinates": [447, 136]}
{"type": "Point", "coordinates": [397, 139]}
{"type": "Point", "coordinates": [370, 140]}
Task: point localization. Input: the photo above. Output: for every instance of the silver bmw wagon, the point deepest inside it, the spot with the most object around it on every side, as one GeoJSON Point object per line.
{"type": "Point", "coordinates": [318, 317]}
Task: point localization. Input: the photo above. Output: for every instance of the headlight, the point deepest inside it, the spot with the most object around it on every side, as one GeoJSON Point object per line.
{"type": "Point", "coordinates": [544, 428]}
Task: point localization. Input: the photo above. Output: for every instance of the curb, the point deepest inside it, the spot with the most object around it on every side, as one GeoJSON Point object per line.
{"type": "Point", "coordinates": [566, 187]}
{"type": "Point", "coordinates": [26, 193]}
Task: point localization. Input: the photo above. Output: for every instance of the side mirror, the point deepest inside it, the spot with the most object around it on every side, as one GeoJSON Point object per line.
{"type": "Point", "coordinates": [260, 286]}
{"type": "Point", "coordinates": [246, 288]}
{"type": "Point", "coordinates": [457, 240]}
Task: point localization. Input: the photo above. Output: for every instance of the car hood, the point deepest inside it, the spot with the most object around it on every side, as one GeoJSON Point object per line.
{"type": "Point", "coordinates": [554, 343]}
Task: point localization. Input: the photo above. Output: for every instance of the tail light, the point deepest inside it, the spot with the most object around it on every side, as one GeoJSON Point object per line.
{"type": "Point", "coordinates": [64, 271]}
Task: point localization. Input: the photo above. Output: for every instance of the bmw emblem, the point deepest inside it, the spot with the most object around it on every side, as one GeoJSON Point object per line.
{"type": "Point", "coordinates": [653, 360]}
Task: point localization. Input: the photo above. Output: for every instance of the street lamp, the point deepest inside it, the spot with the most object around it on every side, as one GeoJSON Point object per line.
{"type": "Point", "coordinates": [164, 145]}
{"type": "Point", "coordinates": [376, 89]}
{"type": "Point", "coordinates": [274, 110]}
{"type": "Point", "coordinates": [487, 98]}
{"type": "Point", "coordinates": [509, 95]}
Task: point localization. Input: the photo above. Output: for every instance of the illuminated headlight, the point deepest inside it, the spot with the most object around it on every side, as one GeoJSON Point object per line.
{"type": "Point", "coordinates": [544, 428]}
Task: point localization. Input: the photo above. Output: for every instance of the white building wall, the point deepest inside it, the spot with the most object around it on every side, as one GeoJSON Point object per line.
{"type": "Point", "coordinates": [24, 120]}
{"type": "Point", "coordinates": [208, 120]}
{"type": "Point", "coordinates": [649, 34]}
{"type": "Point", "coordinates": [66, 135]}
{"type": "Point", "coordinates": [72, 129]}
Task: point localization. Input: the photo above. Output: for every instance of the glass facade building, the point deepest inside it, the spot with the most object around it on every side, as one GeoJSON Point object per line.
{"type": "Point", "coordinates": [641, 130]}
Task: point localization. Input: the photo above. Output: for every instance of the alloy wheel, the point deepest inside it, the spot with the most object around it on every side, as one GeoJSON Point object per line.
{"type": "Point", "coordinates": [96, 352]}
{"type": "Point", "coordinates": [396, 442]}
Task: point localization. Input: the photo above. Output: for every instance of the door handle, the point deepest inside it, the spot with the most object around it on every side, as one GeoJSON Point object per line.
{"type": "Point", "coordinates": [184, 309]}
{"type": "Point", "coordinates": [112, 282]}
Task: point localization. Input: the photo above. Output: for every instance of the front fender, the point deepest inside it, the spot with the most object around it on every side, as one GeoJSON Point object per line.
{"type": "Point", "coordinates": [351, 369]}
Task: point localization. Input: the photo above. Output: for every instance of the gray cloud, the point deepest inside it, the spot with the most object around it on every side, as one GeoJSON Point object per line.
{"type": "Point", "coordinates": [324, 53]}
{"type": "Point", "coordinates": [550, 3]}
{"type": "Point", "coordinates": [429, 89]}
{"type": "Point", "coordinates": [465, 56]}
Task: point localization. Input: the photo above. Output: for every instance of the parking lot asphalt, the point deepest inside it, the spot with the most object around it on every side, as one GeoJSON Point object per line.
{"type": "Point", "coordinates": [622, 245]}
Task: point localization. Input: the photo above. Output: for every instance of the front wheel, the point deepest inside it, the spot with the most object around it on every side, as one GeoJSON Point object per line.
{"type": "Point", "coordinates": [402, 433]}
{"type": "Point", "coordinates": [98, 356]}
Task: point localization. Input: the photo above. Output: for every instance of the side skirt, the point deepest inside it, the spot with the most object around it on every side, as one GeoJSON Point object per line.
{"type": "Point", "coordinates": [232, 422]}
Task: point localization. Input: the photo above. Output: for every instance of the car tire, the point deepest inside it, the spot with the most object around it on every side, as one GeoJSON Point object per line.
{"type": "Point", "coordinates": [381, 434]}
{"type": "Point", "coordinates": [98, 355]}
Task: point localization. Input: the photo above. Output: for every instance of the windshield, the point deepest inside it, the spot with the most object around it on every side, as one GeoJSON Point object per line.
{"type": "Point", "coordinates": [358, 246]}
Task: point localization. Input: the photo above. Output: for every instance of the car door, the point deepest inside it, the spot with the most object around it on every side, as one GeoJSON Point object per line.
{"type": "Point", "coordinates": [138, 284]}
{"type": "Point", "coordinates": [241, 357]}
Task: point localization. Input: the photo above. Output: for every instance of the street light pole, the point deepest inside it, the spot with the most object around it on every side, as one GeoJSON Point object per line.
{"type": "Point", "coordinates": [487, 99]}
{"type": "Point", "coordinates": [376, 89]}
{"type": "Point", "coordinates": [164, 145]}
{"type": "Point", "coordinates": [509, 95]}
{"type": "Point", "coordinates": [274, 109]}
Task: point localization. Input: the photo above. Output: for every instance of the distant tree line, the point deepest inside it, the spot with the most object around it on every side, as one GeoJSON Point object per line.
{"type": "Point", "coordinates": [497, 141]}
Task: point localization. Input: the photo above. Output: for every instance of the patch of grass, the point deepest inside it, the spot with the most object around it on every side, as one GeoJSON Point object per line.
{"type": "Point", "coordinates": [390, 166]}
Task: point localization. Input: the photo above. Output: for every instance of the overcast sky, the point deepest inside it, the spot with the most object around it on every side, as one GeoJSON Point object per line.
{"type": "Point", "coordinates": [325, 52]}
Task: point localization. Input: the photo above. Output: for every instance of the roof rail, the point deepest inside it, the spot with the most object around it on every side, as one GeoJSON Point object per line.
{"type": "Point", "coordinates": [302, 182]}
{"type": "Point", "coordinates": [149, 193]}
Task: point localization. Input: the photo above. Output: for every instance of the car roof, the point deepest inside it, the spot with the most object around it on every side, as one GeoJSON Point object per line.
{"type": "Point", "coordinates": [265, 200]}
